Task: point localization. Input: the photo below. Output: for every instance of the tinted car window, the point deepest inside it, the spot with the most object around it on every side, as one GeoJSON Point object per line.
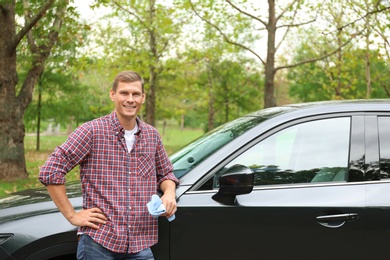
{"type": "Point", "coordinates": [384, 146]}
{"type": "Point", "coordinates": [194, 153]}
{"type": "Point", "coordinates": [315, 151]}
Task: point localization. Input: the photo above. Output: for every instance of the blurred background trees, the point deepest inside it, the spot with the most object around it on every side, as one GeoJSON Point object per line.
{"type": "Point", "coordinates": [204, 62]}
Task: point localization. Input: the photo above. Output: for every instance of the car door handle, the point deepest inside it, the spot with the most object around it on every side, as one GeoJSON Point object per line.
{"type": "Point", "coordinates": [336, 220]}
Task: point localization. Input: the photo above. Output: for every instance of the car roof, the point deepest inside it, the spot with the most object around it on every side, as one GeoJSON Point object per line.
{"type": "Point", "coordinates": [326, 106]}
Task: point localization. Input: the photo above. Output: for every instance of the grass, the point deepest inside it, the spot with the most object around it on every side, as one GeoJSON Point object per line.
{"type": "Point", "coordinates": [173, 139]}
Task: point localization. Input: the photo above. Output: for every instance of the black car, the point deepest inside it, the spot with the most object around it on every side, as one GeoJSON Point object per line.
{"type": "Point", "coordinates": [304, 181]}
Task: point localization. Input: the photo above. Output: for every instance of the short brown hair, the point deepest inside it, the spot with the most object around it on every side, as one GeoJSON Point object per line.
{"type": "Point", "coordinates": [127, 76]}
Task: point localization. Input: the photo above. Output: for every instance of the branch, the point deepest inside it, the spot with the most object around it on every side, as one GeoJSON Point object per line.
{"type": "Point", "coordinates": [31, 42]}
{"type": "Point", "coordinates": [295, 13]}
{"type": "Point", "coordinates": [338, 49]}
{"type": "Point", "coordinates": [382, 84]}
{"type": "Point", "coordinates": [131, 13]}
{"type": "Point", "coordinates": [286, 32]}
{"type": "Point", "coordinates": [40, 55]}
{"type": "Point", "coordinates": [298, 24]}
{"type": "Point", "coordinates": [224, 35]}
{"type": "Point", "coordinates": [364, 16]}
{"type": "Point", "coordinates": [165, 45]}
{"type": "Point", "coordinates": [243, 12]}
{"type": "Point", "coordinates": [285, 10]}
{"type": "Point", "coordinates": [384, 37]}
{"type": "Point", "coordinates": [27, 18]}
{"type": "Point", "coordinates": [319, 58]}
{"type": "Point", "coordinates": [292, 25]}
{"type": "Point", "coordinates": [29, 24]}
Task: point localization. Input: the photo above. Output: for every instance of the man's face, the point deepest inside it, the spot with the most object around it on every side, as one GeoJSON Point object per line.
{"type": "Point", "coordinates": [128, 99]}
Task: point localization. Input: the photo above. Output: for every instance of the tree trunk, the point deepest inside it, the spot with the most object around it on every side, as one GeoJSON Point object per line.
{"type": "Point", "coordinates": [339, 66]}
{"type": "Point", "coordinates": [367, 57]}
{"type": "Point", "coordinates": [210, 125]}
{"type": "Point", "coordinates": [151, 96]}
{"type": "Point", "coordinates": [13, 104]}
{"type": "Point", "coordinates": [12, 162]}
{"type": "Point", "coordinates": [269, 84]}
{"type": "Point", "coordinates": [39, 110]}
{"type": "Point", "coordinates": [39, 116]}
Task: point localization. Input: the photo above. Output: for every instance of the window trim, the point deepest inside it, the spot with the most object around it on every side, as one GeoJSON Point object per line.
{"type": "Point", "coordinates": [270, 132]}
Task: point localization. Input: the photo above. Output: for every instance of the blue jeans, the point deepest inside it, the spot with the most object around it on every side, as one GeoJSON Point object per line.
{"type": "Point", "coordinates": [88, 249]}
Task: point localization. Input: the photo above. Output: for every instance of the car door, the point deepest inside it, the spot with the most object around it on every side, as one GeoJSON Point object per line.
{"type": "Point", "coordinates": [302, 205]}
{"type": "Point", "coordinates": [378, 186]}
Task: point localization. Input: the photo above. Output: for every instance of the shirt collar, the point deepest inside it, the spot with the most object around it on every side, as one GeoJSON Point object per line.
{"type": "Point", "coordinates": [117, 126]}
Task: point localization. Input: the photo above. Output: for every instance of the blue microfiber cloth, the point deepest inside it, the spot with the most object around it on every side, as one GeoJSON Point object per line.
{"type": "Point", "coordinates": [156, 208]}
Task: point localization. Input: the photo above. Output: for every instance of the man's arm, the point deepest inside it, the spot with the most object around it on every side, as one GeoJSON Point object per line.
{"type": "Point", "coordinates": [88, 217]}
{"type": "Point", "coordinates": [168, 187]}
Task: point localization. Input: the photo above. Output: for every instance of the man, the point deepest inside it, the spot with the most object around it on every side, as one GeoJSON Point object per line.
{"type": "Point", "coordinates": [122, 164]}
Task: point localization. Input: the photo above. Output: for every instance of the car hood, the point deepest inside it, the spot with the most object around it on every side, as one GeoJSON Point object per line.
{"type": "Point", "coordinates": [25, 203]}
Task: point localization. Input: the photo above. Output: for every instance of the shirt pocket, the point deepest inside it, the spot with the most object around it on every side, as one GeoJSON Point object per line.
{"type": "Point", "coordinates": [146, 165]}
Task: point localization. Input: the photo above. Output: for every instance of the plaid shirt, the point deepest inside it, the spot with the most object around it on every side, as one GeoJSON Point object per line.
{"type": "Point", "coordinates": [116, 181]}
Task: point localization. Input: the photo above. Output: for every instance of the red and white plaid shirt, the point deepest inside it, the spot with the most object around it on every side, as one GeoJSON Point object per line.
{"type": "Point", "coordinates": [116, 181]}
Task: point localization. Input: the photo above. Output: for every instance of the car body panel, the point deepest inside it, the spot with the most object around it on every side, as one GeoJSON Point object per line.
{"type": "Point", "coordinates": [267, 218]}
{"type": "Point", "coordinates": [35, 217]}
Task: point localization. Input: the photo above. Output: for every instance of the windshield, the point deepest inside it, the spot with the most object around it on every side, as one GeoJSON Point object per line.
{"type": "Point", "coordinates": [191, 155]}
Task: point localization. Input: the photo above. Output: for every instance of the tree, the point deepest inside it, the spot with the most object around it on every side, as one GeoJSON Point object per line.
{"type": "Point", "coordinates": [382, 30]}
{"type": "Point", "coordinates": [372, 28]}
{"type": "Point", "coordinates": [235, 20]}
{"type": "Point", "coordinates": [237, 89]}
{"type": "Point", "coordinates": [39, 33]}
{"type": "Point", "coordinates": [179, 97]}
{"type": "Point", "coordinates": [57, 94]}
{"type": "Point", "coordinates": [240, 19]}
{"type": "Point", "coordinates": [57, 98]}
{"type": "Point", "coordinates": [344, 75]}
{"type": "Point", "coordinates": [148, 30]}
{"type": "Point", "coordinates": [325, 80]}
{"type": "Point", "coordinates": [204, 87]}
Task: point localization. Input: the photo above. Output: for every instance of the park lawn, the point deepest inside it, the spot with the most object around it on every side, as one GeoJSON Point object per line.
{"type": "Point", "coordinates": [173, 139]}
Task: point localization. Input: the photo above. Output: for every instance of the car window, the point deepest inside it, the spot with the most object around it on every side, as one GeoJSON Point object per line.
{"type": "Point", "coordinates": [315, 151]}
{"type": "Point", "coordinates": [194, 153]}
{"type": "Point", "coordinates": [384, 146]}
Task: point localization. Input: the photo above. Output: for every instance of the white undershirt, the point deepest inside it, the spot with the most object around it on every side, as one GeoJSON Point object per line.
{"type": "Point", "coordinates": [129, 137]}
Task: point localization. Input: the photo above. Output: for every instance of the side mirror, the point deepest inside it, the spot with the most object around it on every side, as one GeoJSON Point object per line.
{"type": "Point", "coordinates": [236, 180]}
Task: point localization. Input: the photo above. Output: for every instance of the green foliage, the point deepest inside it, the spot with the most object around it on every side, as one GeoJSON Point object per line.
{"type": "Point", "coordinates": [328, 79]}
{"type": "Point", "coordinates": [64, 100]}
{"type": "Point", "coordinates": [193, 54]}
{"type": "Point", "coordinates": [58, 84]}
